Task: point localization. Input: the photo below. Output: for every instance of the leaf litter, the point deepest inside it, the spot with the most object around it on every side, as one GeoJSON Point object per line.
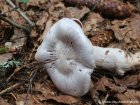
{"type": "Point", "coordinates": [106, 86]}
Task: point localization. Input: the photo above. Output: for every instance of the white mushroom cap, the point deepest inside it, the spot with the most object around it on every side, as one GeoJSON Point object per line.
{"type": "Point", "coordinates": [67, 56]}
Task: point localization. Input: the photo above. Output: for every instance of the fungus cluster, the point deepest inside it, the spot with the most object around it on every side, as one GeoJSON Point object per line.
{"type": "Point", "coordinates": [69, 57]}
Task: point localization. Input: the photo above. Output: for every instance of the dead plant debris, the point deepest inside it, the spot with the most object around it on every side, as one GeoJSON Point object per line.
{"type": "Point", "coordinates": [105, 88]}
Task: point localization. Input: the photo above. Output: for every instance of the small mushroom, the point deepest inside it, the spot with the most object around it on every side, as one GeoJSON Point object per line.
{"type": "Point", "coordinates": [67, 56]}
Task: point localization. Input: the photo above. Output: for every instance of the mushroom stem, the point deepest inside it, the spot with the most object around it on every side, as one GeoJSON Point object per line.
{"type": "Point", "coordinates": [115, 60]}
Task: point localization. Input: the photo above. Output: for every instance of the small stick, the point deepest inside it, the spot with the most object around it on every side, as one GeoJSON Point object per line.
{"type": "Point", "coordinates": [8, 11]}
{"type": "Point", "coordinates": [47, 7]}
{"type": "Point", "coordinates": [103, 102]}
{"type": "Point", "coordinates": [11, 22]}
{"type": "Point", "coordinates": [10, 88]}
{"type": "Point", "coordinates": [13, 40]}
{"type": "Point", "coordinates": [30, 85]}
{"type": "Point", "coordinates": [17, 70]}
{"type": "Point", "coordinates": [22, 14]}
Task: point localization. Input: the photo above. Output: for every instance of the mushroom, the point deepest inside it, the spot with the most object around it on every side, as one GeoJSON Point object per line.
{"type": "Point", "coordinates": [67, 56]}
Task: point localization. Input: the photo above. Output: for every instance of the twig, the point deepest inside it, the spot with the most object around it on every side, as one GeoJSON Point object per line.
{"type": "Point", "coordinates": [25, 28]}
{"type": "Point", "coordinates": [10, 88]}
{"type": "Point", "coordinates": [47, 7]}
{"type": "Point", "coordinates": [30, 85]}
{"type": "Point", "coordinates": [78, 3]}
{"type": "Point", "coordinates": [103, 102]}
{"type": "Point", "coordinates": [51, 87]}
{"type": "Point", "coordinates": [126, 34]}
{"type": "Point", "coordinates": [13, 40]}
{"type": "Point", "coordinates": [24, 16]}
{"type": "Point", "coordinates": [18, 69]}
{"type": "Point", "coordinates": [8, 11]}
{"type": "Point", "coordinates": [10, 77]}
{"type": "Point", "coordinates": [93, 8]}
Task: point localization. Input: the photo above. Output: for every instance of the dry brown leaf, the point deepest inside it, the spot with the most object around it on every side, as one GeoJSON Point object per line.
{"type": "Point", "coordinates": [72, 12]}
{"type": "Point", "coordinates": [5, 57]}
{"type": "Point", "coordinates": [49, 24]}
{"type": "Point", "coordinates": [57, 10]}
{"type": "Point", "coordinates": [52, 102]}
{"type": "Point", "coordinates": [31, 100]}
{"type": "Point", "coordinates": [115, 90]}
{"type": "Point", "coordinates": [94, 15]}
{"type": "Point", "coordinates": [17, 18]}
{"type": "Point", "coordinates": [100, 85]}
{"type": "Point", "coordinates": [131, 81]}
{"type": "Point", "coordinates": [18, 42]}
{"type": "Point", "coordinates": [132, 94]}
{"type": "Point", "coordinates": [42, 20]}
{"type": "Point", "coordinates": [131, 97]}
{"type": "Point", "coordinates": [43, 88]}
{"type": "Point", "coordinates": [33, 37]}
{"type": "Point", "coordinates": [40, 97]}
{"type": "Point", "coordinates": [64, 99]}
{"type": "Point", "coordinates": [4, 7]}
{"type": "Point", "coordinates": [124, 100]}
{"type": "Point", "coordinates": [130, 28]}
{"type": "Point", "coordinates": [36, 2]}
{"type": "Point", "coordinates": [3, 102]}
{"type": "Point", "coordinates": [89, 23]}
{"type": "Point", "coordinates": [94, 94]}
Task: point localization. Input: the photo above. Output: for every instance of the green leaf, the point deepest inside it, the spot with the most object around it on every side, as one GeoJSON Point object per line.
{"type": "Point", "coordinates": [2, 50]}
{"type": "Point", "coordinates": [6, 64]}
{"type": "Point", "coordinates": [21, 0]}
{"type": "Point", "coordinates": [17, 63]}
{"type": "Point", "coordinates": [25, 1]}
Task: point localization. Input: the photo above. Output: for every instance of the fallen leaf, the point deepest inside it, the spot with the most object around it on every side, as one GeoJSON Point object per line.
{"type": "Point", "coordinates": [128, 29]}
{"type": "Point", "coordinates": [57, 10]}
{"type": "Point", "coordinates": [94, 15]}
{"type": "Point", "coordinates": [114, 90]}
{"type": "Point", "coordinates": [40, 97]}
{"type": "Point", "coordinates": [31, 100]}
{"type": "Point", "coordinates": [132, 94]}
{"type": "Point", "coordinates": [18, 42]}
{"type": "Point", "coordinates": [44, 88]}
{"type": "Point", "coordinates": [49, 24]}
{"type": "Point", "coordinates": [94, 93]}
{"type": "Point", "coordinates": [33, 36]}
{"type": "Point", "coordinates": [3, 7]}
{"type": "Point", "coordinates": [42, 20]}
{"type": "Point", "coordinates": [3, 102]}
{"type": "Point", "coordinates": [100, 85]}
{"type": "Point", "coordinates": [64, 99]}
{"type": "Point", "coordinates": [130, 97]}
{"type": "Point", "coordinates": [35, 3]}
{"type": "Point", "coordinates": [72, 12]}
{"type": "Point", "coordinates": [124, 100]}
{"type": "Point", "coordinates": [90, 23]}
{"type": "Point", "coordinates": [130, 81]}
{"type": "Point", "coordinates": [5, 57]}
{"type": "Point", "coordinates": [17, 18]}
